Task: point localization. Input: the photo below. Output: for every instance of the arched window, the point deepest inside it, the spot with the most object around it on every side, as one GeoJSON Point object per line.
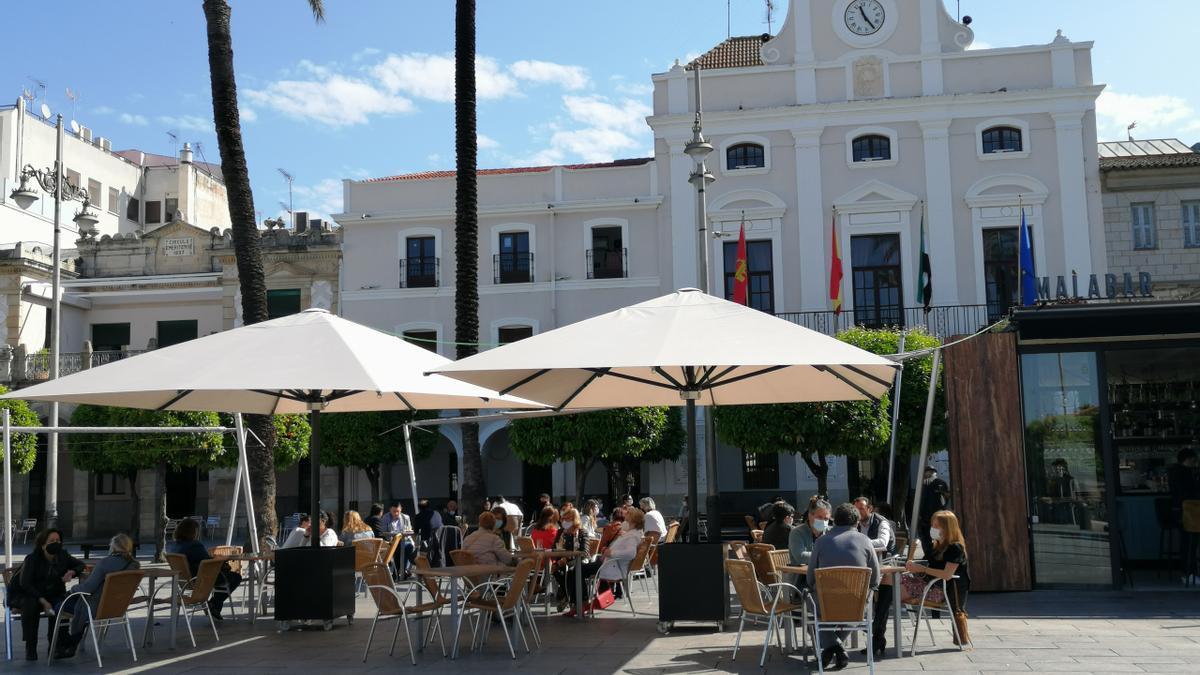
{"type": "Point", "coordinates": [745, 156]}
{"type": "Point", "coordinates": [1002, 139]}
{"type": "Point", "coordinates": [872, 148]}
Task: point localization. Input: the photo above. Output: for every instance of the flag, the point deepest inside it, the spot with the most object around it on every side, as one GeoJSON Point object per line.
{"type": "Point", "coordinates": [925, 276]}
{"type": "Point", "coordinates": [835, 271]}
{"type": "Point", "coordinates": [1028, 285]}
{"type": "Point", "coordinates": [741, 270]}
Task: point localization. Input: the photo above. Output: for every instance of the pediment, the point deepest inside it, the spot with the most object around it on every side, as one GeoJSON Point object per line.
{"type": "Point", "coordinates": [175, 229]}
{"type": "Point", "coordinates": [286, 268]}
{"type": "Point", "coordinates": [876, 194]}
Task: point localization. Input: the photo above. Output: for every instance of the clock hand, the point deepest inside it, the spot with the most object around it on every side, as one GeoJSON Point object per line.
{"type": "Point", "coordinates": [863, 12]}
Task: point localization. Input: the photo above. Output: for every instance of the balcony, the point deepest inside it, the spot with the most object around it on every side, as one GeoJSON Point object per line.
{"type": "Point", "coordinates": [942, 322]}
{"type": "Point", "coordinates": [513, 268]}
{"type": "Point", "coordinates": [18, 366]}
{"type": "Point", "coordinates": [420, 273]}
{"type": "Point", "coordinates": [603, 263]}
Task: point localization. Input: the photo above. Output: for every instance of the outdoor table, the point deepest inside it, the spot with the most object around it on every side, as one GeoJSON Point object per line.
{"type": "Point", "coordinates": [455, 574]}
{"type": "Point", "coordinates": [897, 608]}
{"type": "Point", "coordinates": [254, 559]}
{"type": "Point", "coordinates": [552, 554]}
{"type": "Point", "coordinates": [151, 574]}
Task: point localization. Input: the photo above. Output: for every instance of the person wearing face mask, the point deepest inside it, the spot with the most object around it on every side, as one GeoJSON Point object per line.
{"type": "Point", "coordinates": [571, 537]}
{"type": "Point", "coordinates": [41, 585]}
{"type": "Point", "coordinates": [802, 539]}
{"type": "Point", "coordinates": [935, 496]}
{"type": "Point", "coordinates": [485, 544]}
{"type": "Point", "coordinates": [947, 559]}
{"type": "Point", "coordinates": [620, 552]}
{"type": "Point", "coordinates": [779, 527]}
{"type": "Point", "coordinates": [841, 546]}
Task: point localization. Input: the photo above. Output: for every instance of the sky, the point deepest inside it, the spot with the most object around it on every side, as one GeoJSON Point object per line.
{"type": "Point", "coordinates": [369, 92]}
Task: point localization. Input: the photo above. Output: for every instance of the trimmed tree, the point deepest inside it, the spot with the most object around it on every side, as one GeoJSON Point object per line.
{"type": "Point", "coordinates": [363, 440]}
{"type": "Point", "coordinates": [292, 434]}
{"type": "Point", "coordinates": [112, 453]}
{"type": "Point", "coordinates": [24, 446]}
{"type": "Point", "coordinates": [609, 437]}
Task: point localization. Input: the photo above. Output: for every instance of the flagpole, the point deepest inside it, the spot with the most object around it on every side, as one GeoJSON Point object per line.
{"type": "Point", "coordinates": [1020, 267]}
{"type": "Point", "coordinates": [895, 421]}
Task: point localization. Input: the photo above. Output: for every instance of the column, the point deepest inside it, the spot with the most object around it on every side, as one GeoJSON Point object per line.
{"type": "Point", "coordinates": [800, 14]}
{"type": "Point", "coordinates": [931, 48]}
{"type": "Point", "coordinates": [683, 218]}
{"type": "Point", "coordinates": [1068, 132]}
{"type": "Point", "coordinates": [939, 214]}
{"type": "Point", "coordinates": [812, 221]}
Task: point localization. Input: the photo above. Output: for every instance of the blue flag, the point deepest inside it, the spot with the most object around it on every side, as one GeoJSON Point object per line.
{"type": "Point", "coordinates": [1028, 285]}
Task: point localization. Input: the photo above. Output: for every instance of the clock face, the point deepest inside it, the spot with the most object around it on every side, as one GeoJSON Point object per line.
{"type": "Point", "coordinates": [865, 17]}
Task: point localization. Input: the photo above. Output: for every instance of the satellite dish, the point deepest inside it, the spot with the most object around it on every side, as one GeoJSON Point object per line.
{"type": "Point", "coordinates": [45, 111]}
{"type": "Point", "coordinates": [75, 127]}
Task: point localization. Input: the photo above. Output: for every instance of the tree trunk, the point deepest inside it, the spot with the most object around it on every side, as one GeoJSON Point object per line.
{"type": "Point", "coordinates": [581, 472]}
{"type": "Point", "coordinates": [160, 519]}
{"type": "Point", "coordinates": [373, 474]}
{"type": "Point", "coordinates": [246, 242]}
{"type": "Point", "coordinates": [819, 469]}
{"type": "Point", "coordinates": [466, 237]}
{"type": "Point", "coordinates": [341, 490]}
{"type": "Point", "coordinates": [135, 522]}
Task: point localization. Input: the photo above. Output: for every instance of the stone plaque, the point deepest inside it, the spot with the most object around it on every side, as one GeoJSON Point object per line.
{"type": "Point", "coordinates": [178, 247]}
{"type": "Point", "coordinates": [868, 77]}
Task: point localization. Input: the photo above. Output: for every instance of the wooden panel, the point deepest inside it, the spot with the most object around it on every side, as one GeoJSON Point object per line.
{"type": "Point", "coordinates": [987, 460]}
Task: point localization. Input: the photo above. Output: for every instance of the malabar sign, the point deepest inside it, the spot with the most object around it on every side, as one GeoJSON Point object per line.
{"type": "Point", "coordinates": [1108, 286]}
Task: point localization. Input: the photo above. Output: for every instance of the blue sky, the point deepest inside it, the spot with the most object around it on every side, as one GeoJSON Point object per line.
{"type": "Point", "coordinates": [367, 93]}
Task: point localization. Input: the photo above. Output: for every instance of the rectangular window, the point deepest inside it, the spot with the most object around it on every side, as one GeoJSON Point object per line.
{"type": "Point", "coordinates": [514, 262]}
{"type": "Point", "coordinates": [283, 302]}
{"type": "Point", "coordinates": [606, 257]}
{"type": "Point", "coordinates": [109, 337]}
{"type": "Point", "coordinates": [508, 334]}
{"type": "Point", "coordinates": [170, 206]}
{"type": "Point", "coordinates": [174, 332]}
{"type": "Point", "coordinates": [760, 471]}
{"type": "Point", "coordinates": [1190, 215]}
{"type": "Point", "coordinates": [759, 263]}
{"type": "Point", "coordinates": [114, 200]}
{"type": "Point", "coordinates": [1142, 218]}
{"type": "Point", "coordinates": [73, 177]}
{"type": "Point", "coordinates": [1000, 270]}
{"type": "Point", "coordinates": [153, 212]}
{"type": "Point", "coordinates": [425, 339]}
{"type": "Point", "coordinates": [878, 289]}
{"type": "Point", "coordinates": [110, 484]}
{"type": "Point", "coordinates": [94, 192]}
{"type": "Point", "coordinates": [420, 266]}
{"type": "Point", "coordinates": [132, 209]}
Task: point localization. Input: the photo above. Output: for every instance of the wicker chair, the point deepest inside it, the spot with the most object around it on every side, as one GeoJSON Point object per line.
{"type": "Point", "coordinates": [639, 567]}
{"type": "Point", "coordinates": [843, 601]}
{"type": "Point", "coordinates": [672, 532]}
{"type": "Point", "coordinates": [366, 552]}
{"type": "Point", "coordinates": [918, 610]}
{"type": "Point", "coordinates": [179, 563]}
{"type": "Point", "coordinates": [525, 544]}
{"type": "Point", "coordinates": [761, 600]}
{"type": "Point", "coordinates": [502, 599]}
{"type": "Point", "coordinates": [197, 593]}
{"type": "Point", "coordinates": [112, 609]}
{"type": "Point", "coordinates": [764, 563]}
{"type": "Point", "coordinates": [389, 604]}
{"type": "Point", "coordinates": [593, 547]}
{"type": "Point", "coordinates": [389, 553]}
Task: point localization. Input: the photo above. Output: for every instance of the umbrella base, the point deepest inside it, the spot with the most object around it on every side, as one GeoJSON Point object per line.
{"type": "Point", "coordinates": [314, 584]}
{"type": "Point", "coordinates": [692, 583]}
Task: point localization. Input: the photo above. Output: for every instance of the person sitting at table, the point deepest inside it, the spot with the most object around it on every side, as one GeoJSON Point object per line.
{"type": "Point", "coordinates": [187, 544]}
{"type": "Point", "coordinates": [948, 559]}
{"type": "Point", "coordinates": [841, 546]}
{"type": "Point", "coordinates": [450, 515]}
{"type": "Point", "coordinates": [427, 526]}
{"type": "Point", "coordinates": [613, 529]}
{"type": "Point", "coordinates": [303, 536]}
{"type": "Point", "coordinates": [507, 537]}
{"type": "Point", "coordinates": [654, 519]}
{"type": "Point", "coordinates": [41, 585]}
{"type": "Point", "coordinates": [779, 525]}
{"type": "Point", "coordinates": [877, 528]}
{"type": "Point", "coordinates": [620, 552]}
{"type": "Point", "coordinates": [589, 518]}
{"type": "Point", "coordinates": [802, 539]}
{"type": "Point", "coordinates": [570, 537]}
{"type": "Point", "coordinates": [120, 558]}
{"type": "Point", "coordinates": [354, 529]}
{"type": "Point", "coordinates": [545, 529]}
{"type": "Point", "coordinates": [485, 543]}
{"type": "Point", "coordinates": [375, 520]}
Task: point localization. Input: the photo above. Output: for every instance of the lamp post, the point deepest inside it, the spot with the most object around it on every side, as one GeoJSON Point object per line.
{"type": "Point", "coordinates": [53, 180]}
{"type": "Point", "coordinates": [699, 149]}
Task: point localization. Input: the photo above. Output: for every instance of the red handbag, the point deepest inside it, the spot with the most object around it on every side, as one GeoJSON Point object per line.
{"type": "Point", "coordinates": [604, 599]}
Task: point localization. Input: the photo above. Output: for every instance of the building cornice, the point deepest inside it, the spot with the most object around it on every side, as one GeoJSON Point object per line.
{"type": "Point", "coordinates": [644, 202]}
{"type": "Point", "coordinates": [566, 285]}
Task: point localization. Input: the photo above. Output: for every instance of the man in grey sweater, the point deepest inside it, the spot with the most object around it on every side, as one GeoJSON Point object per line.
{"type": "Point", "coordinates": [843, 546]}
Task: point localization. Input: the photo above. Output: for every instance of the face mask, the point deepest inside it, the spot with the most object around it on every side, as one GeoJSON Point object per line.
{"type": "Point", "coordinates": [54, 548]}
{"type": "Point", "coordinates": [499, 525]}
{"type": "Point", "coordinates": [820, 525]}
{"type": "Point", "coordinates": [935, 534]}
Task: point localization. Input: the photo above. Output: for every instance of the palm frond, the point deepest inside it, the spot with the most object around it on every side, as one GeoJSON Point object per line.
{"type": "Point", "coordinates": [318, 9]}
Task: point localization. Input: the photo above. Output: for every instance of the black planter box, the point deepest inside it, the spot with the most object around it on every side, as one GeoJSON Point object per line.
{"type": "Point", "coordinates": [314, 584]}
{"type": "Point", "coordinates": [692, 583]}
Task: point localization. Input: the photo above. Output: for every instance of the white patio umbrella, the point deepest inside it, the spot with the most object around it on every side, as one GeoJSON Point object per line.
{"type": "Point", "coordinates": [679, 349]}
{"type": "Point", "coordinates": [312, 362]}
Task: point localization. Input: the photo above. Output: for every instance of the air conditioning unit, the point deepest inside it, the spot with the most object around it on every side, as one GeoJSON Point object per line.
{"type": "Point", "coordinates": [104, 143]}
{"type": "Point", "coordinates": [315, 224]}
{"type": "Point", "coordinates": [301, 220]}
{"type": "Point", "coordinates": [86, 134]}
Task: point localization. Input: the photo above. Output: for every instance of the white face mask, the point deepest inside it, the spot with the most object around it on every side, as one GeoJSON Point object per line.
{"type": "Point", "coordinates": [820, 526]}
{"type": "Point", "coordinates": [935, 534]}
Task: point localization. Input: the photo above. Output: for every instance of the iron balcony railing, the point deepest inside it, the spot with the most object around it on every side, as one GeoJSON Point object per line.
{"type": "Point", "coordinates": [513, 268]}
{"type": "Point", "coordinates": [942, 321]}
{"type": "Point", "coordinates": [37, 365]}
{"type": "Point", "coordinates": [420, 273]}
{"type": "Point", "coordinates": [603, 263]}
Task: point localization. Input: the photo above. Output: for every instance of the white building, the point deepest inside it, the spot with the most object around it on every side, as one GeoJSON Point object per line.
{"type": "Point", "coordinates": [880, 120]}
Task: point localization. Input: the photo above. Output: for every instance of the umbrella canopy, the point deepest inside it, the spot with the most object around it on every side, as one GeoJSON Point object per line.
{"type": "Point", "coordinates": [276, 367]}
{"type": "Point", "coordinates": [647, 354]}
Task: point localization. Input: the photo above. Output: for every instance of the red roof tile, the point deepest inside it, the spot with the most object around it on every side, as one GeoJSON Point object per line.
{"type": "Point", "coordinates": [736, 52]}
{"type": "Point", "coordinates": [434, 175]}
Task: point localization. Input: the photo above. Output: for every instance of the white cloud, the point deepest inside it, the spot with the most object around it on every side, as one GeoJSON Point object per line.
{"type": "Point", "coordinates": [433, 158]}
{"type": "Point", "coordinates": [486, 142]}
{"type": "Point", "coordinates": [102, 110]}
{"type": "Point", "coordinates": [431, 76]}
{"type": "Point", "coordinates": [979, 44]}
{"type": "Point", "coordinates": [571, 78]}
{"type": "Point", "coordinates": [187, 122]}
{"type": "Point", "coordinates": [335, 100]}
{"type": "Point", "coordinates": [627, 116]}
{"type": "Point", "coordinates": [622, 86]}
{"type": "Point", "coordinates": [604, 130]}
{"type": "Point", "coordinates": [136, 120]}
{"type": "Point", "coordinates": [1157, 116]}
{"type": "Point", "coordinates": [319, 199]}
{"type": "Point", "coordinates": [247, 114]}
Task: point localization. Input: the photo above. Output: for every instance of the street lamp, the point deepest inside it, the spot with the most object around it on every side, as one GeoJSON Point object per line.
{"type": "Point", "coordinates": [53, 180]}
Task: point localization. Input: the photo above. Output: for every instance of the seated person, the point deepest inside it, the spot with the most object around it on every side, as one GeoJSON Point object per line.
{"type": "Point", "coordinates": [485, 544]}
{"type": "Point", "coordinates": [947, 559]}
{"type": "Point", "coordinates": [613, 529]}
{"type": "Point", "coordinates": [41, 586]}
{"type": "Point", "coordinates": [188, 545]}
{"type": "Point", "coordinates": [375, 520]}
{"type": "Point", "coordinates": [571, 537]}
{"type": "Point", "coordinates": [620, 552]}
{"type": "Point", "coordinates": [779, 527]}
{"type": "Point", "coordinates": [507, 537]}
{"type": "Point", "coordinates": [842, 546]}
{"type": "Point", "coordinates": [802, 538]}
{"type": "Point", "coordinates": [120, 558]}
{"type": "Point", "coordinates": [303, 536]}
{"type": "Point", "coordinates": [427, 526]}
{"type": "Point", "coordinates": [354, 529]}
{"type": "Point", "coordinates": [545, 530]}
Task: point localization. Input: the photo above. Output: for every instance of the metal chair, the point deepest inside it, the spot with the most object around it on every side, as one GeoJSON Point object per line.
{"type": "Point", "coordinates": [843, 601]}
{"type": "Point", "coordinates": [764, 564]}
{"type": "Point", "coordinates": [198, 592]}
{"type": "Point", "coordinates": [503, 599]}
{"type": "Point", "coordinates": [112, 609]}
{"type": "Point", "coordinates": [917, 609]}
{"type": "Point", "coordinates": [28, 525]}
{"type": "Point", "coordinates": [366, 552]}
{"type": "Point", "coordinates": [389, 604]}
{"type": "Point", "coordinates": [759, 600]}
{"type": "Point", "coordinates": [10, 613]}
{"type": "Point", "coordinates": [616, 571]}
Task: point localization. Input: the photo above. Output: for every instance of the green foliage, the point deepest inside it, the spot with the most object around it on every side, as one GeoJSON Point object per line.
{"type": "Point", "coordinates": [649, 434]}
{"type": "Point", "coordinates": [24, 446]}
{"type": "Point", "coordinates": [112, 453]}
{"type": "Point", "coordinates": [292, 434]}
{"type": "Point", "coordinates": [358, 439]}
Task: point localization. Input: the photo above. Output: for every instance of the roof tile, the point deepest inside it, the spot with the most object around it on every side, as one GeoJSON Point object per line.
{"type": "Point", "coordinates": [736, 52]}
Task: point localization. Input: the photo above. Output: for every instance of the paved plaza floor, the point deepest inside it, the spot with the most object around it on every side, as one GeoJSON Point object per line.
{"type": "Point", "coordinates": [1046, 631]}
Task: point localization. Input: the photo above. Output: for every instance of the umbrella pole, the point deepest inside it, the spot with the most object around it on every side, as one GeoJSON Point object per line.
{"type": "Point", "coordinates": [933, 375]}
{"type": "Point", "coordinates": [693, 466]}
{"type": "Point", "coordinates": [237, 491]}
{"type": "Point", "coordinates": [7, 492]}
{"type": "Point", "coordinates": [314, 462]}
{"type": "Point", "coordinates": [895, 424]}
{"type": "Point", "coordinates": [244, 463]}
{"type": "Point", "coordinates": [412, 472]}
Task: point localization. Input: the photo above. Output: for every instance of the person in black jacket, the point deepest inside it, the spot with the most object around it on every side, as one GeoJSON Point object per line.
{"type": "Point", "coordinates": [375, 520]}
{"type": "Point", "coordinates": [427, 525]}
{"type": "Point", "coordinates": [42, 585]}
{"type": "Point", "coordinates": [779, 527]}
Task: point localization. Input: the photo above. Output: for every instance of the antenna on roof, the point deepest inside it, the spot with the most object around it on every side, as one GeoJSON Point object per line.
{"type": "Point", "coordinates": [199, 147]}
{"type": "Point", "coordinates": [1129, 130]}
{"type": "Point", "coordinates": [289, 178]}
{"type": "Point", "coordinates": [74, 96]}
{"type": "Point", "coordinates": [41, 85]}
{"type": "Point", "coordinates": [728, 19]}
{"type": "Point", "coordinates": [770, 13]}
{"type": "Point", "coordinates": [174, 136]}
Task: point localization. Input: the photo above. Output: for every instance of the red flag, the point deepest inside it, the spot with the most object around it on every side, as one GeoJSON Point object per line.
{"type": "Point", "coordinates": [835, 271]}
{"type": "Point", "coordinates": [741, 270]}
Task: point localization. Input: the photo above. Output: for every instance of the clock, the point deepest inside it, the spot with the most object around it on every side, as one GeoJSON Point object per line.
{"type": "Point", "coordinates": [864, 17]}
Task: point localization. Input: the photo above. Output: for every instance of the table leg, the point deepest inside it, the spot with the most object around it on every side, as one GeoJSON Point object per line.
{"type": "Point", "coordinates": [175, 600]}
{"type": "Point", "coordinates": [455, 615]}
{"type": "Point", "coordinates": [149, 638]}
{"type": "Point", "coordinates": [897, 617]}
{"type": "Point", "coordinates": [546, 584]}
{"type": "Point", "coordinates": [579, 589]}
{"type": "Point", "coordinates": [254, 598]}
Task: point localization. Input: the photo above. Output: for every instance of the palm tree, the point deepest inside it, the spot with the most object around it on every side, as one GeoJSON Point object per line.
{"type": "Point", "coordinates": [466, 235]}
{"type": "Point", "coordinates": [247, 246]}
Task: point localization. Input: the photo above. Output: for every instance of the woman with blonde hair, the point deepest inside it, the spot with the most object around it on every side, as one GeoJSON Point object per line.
{"type": "Point", "coordinates": [355, 528]}
{"type": "Point", "coordinates": [120, 558]}
{"type": "Point", "coordinates": [948, 559]}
